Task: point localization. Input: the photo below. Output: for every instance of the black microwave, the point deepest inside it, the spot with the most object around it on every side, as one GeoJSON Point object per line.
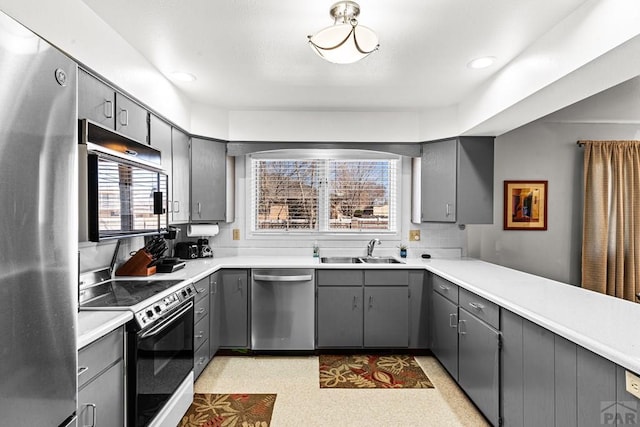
{"type": "Point", "coordinates": [122, 186]}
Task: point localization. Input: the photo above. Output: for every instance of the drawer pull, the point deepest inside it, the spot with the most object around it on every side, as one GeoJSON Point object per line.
{"type": "Point", "coordinates": [476, 305]}
{"type": "Point", "coordinates": [461, 330]}
{"type": "Point", "coordinates": [200, 335]}
{"type": "Point", "coordinates": [199, 290]}
{"type": "Point", "coordinates": [453, 320]}
{"type": "Point", "coordinates": [82, 370]}
{"type": "Point", "coordinates": [202, 360]}
{"type": "Point", "coordinates": [200, 311]}
{"type": "Point", "coordinates": [444, 288]}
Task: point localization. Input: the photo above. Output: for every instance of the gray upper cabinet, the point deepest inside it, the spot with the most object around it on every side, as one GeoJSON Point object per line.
{"type": "Point", "coordinates": [131, 119]}
{"type": "Point", "coordinates": [208, 180]}
{"type": "Point", "coordinates": [160, 138]}
{"type": "Point", "coordinates": [96, 100]}
{"type": "Point", "coordinates": [180, 177]}
{"type": "Point", "coordinates": [457, 180]}
{"type": "Point", "coordinates": [102, 104]}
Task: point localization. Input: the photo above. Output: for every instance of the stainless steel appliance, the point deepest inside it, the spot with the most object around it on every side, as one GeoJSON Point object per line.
{"type": "Point", "coordinates": [122, 186]}
{"type": "Point", "coordinates": [282, 309]}
{"type": "Point", "coordinates": [38, 217]}
{"type": "Point", "coordinates": [159, 343]}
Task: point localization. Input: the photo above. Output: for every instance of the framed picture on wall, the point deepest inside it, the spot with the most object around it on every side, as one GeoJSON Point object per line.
{"type": "Point", "coordinates": [525, 205]}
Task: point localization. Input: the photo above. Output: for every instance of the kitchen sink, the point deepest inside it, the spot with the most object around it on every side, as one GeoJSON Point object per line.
{"type": "Point", "coordinates": [355, 260]}
{"type": "Point", "coordinates": [340, 260]}
{"type": "Point", "coordinates": [381, 260]}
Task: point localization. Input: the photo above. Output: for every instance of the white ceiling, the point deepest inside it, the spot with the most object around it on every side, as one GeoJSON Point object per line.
{"type": "Point", "coordinates": [253, 54]}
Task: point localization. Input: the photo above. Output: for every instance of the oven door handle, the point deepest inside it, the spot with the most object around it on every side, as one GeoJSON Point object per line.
{"type": "Point", "coordinates": [166, 323]}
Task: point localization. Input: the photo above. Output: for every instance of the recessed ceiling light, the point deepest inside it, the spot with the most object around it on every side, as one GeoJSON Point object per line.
{"type": "Point", "coordinates": [182, 76]}
{"type": "Point", "coordinates": [484, 62]}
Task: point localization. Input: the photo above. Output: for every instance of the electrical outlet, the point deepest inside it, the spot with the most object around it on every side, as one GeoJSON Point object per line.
{"type": "Point", "coordinates": [236, 234]}
{"type": "Point", "coordinates": [633, 384]}
{"type": "Point", "coordinates": [414, 235]}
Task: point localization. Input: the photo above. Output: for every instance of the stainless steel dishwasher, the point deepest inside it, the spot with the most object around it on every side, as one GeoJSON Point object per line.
{"type": "Point", "coordinates": [282, 309]}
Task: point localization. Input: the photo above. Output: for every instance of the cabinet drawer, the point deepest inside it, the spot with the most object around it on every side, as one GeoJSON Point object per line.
{"type": "Point", "coordinates": [445, 288]}
{"type": "Point", "coordinates": [480, 307]}
{"type": "Point", "coordinates": [200, 359]}
{"type": "Point", "coordinates": [99, 355]}
{"type": "Point", "coordinates": [201, 332]}
{"type": "Point", "coordinates": [386, 277]}
{"type": "Point", "coordinates": [202, 289]}
{"type": "Point", "coordinates": [200, 310]}
{"type": "Point", "coordinates": [340, 277]}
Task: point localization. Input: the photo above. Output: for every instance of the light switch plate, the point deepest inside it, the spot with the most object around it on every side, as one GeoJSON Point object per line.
{"type": "Point", "coordinates": [633, 384]}
{"type": "Point", "coordinates": [414, 235]}
{"type": "Point", "coordinates": [236, 234]}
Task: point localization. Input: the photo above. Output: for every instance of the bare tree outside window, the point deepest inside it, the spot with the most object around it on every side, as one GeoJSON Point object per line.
{"type": "Point", "coordinates": [324, 195]}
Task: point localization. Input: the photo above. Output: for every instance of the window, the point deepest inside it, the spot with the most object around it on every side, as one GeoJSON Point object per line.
{"type": "Point", "coordinates": [339, 195]}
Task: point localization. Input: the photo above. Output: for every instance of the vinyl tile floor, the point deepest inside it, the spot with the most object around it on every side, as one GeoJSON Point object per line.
{"type": "Point", "coordinates": [301, 402]}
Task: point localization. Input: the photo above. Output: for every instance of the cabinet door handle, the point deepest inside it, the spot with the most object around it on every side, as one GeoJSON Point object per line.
{"type": "Point", "coordinates": [176, 206]}
{"type": "Point", "coordinates": [448, 209]}
{"type": "Point", "coordinates": [355, 302]}
{"type": "Point", "coordinates": [214, 289]}
{"type": "Point", "coordinates": [108, 108]}
{"type": "Point", "coordinates": [94, 414]}
{"type": "Point", "coordinates": [200, 311]}
{"type": "Point", "coordinates": [444, 288]}
{"type": "Point", "coordinates": [240, 285]}
{"type": "Point", "coordinates": [124, 114]}
{"type": "Point", "coordinates": [370, 301]}
{"type": "Point", "coordinates": [82, 370]}
{"type": "Point", "coordinates": [476, 305]}
{"type": "Point", "coordinates": [201, 360]}
{"type": "Point", "coordinates": [461, 330]}
{"type": "Point", "coordinates": [453, 320]}
{"type": "Point", "coordinates": [200, 335]}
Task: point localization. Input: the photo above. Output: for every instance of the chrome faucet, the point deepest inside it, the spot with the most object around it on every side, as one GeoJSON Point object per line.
{"type": "Point", "coordinates": [370, 246]}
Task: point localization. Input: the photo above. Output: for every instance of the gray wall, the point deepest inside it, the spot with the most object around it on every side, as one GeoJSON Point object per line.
{"type": "Point", "coordinates": [546, 150]}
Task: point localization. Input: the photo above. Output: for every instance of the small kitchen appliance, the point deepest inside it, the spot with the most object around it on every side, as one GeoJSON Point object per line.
{"type": "Point", "coordinates": [186, 250]}
{"type": "Point", "coordinates": [204, 250]}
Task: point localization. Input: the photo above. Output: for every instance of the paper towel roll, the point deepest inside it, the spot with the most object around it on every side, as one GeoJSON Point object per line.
{"type": "Point", "coordinates": [201, 230]}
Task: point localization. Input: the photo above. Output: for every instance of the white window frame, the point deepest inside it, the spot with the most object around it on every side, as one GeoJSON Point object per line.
{"type": "Point", "coordinates": [304, 235]}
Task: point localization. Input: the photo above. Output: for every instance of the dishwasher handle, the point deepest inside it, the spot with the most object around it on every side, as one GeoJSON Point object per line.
{"type": "Point", "coordinates": [270, 278]}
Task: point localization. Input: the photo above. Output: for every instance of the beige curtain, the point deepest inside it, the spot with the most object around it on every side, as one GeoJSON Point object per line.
{"type": "Point", "coordinates": [611, 225]}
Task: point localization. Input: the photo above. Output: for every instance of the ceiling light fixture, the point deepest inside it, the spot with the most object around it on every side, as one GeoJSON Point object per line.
{"type": "Point", "coordinates": [182, 76]}
{"type": "Point", "coordinates": [484, 62]}
{"type": "Point", "coordinates": [345, 41]}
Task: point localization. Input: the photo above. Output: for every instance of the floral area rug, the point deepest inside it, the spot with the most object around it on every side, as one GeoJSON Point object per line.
{"type": "Point", "coordinates": [371, 371]}
{"type": "Point", "coordinates": [229, 410]}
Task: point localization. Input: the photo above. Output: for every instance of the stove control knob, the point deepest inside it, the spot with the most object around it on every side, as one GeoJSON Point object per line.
{"type": "Point", "coordinates": [157, 308]}
{"type": "Point", "coordinates": [149, 313]}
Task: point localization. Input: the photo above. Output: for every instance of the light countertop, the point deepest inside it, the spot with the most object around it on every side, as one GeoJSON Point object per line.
{"type": "Point", "coordinates": [605, 325]}
{"type": "Point", "coordinates": [93, 325]}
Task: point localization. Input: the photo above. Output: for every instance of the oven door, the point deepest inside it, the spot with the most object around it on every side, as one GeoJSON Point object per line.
{"type": "Point", "coordinates": [160, 358]}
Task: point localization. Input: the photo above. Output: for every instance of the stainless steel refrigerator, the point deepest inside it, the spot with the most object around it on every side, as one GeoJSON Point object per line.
{"type": "Point", "coordinates": [38, 222]}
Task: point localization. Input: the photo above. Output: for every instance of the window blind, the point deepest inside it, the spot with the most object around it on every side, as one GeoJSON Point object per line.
{"type": "Point", "coordinates": [323, 195]}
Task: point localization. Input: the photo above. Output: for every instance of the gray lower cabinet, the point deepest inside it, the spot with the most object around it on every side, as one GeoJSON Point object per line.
{"type": "Point", "coordinates": [201, 326]}
{"type": "Point", "coordinates": [479, 364]}
{"type": "Point", "coordinates": [208, 180]}
{"type": "Point", "coordinates": [550, 381]}
{"type": "Point", "coordinates": [362, 308]}
{"type": "Point", "coordinates": [234, 309]}
{"type": "Point", "coordinates": [386, 319]}
{"type": "Point", "coordinates": [444, 332]}
{"type": "Point", "coordinates": [339, 316]}
{"type": "Point", "coordinates": [101, 382]}
{"type": "Point", "coordinates": [214, 313]}
{"type": "Point", "coordinates": [419, 297]}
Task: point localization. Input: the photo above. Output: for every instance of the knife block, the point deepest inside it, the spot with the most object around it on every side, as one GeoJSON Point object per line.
{"type": "Point", "coordinates": [137, 265]}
